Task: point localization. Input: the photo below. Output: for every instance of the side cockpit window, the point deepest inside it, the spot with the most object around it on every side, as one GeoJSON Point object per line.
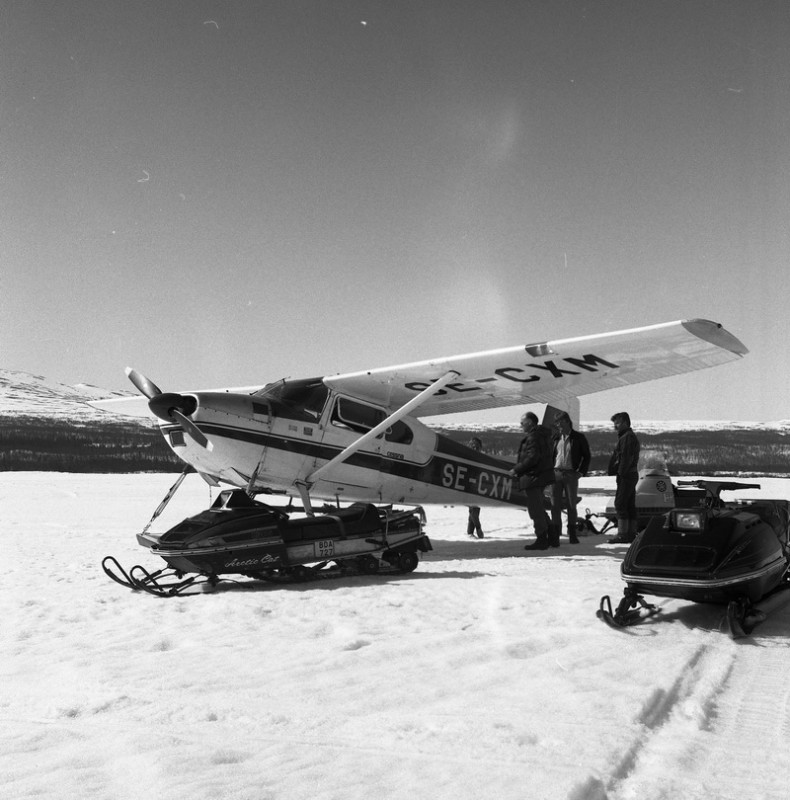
{"type": "Point", "coordinates": [356, 416]}
{"type": "Point", "coordinates": [361, 418]}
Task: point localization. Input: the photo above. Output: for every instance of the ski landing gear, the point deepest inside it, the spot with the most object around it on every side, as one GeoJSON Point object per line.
{"type": "Point", "coordinates": [633, 608]}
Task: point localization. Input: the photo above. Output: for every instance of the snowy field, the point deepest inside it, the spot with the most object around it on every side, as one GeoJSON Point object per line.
{"type": "Point", "coordinates": [484, 673]}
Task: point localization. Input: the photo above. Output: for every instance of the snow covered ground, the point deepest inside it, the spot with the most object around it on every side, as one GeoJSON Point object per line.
{"type": "Point", "coordinates": [484, 673]}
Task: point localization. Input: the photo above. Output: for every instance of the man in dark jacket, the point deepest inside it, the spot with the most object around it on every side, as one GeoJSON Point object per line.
{"type": "Point", "coordinates": [624, 463]}
{"type": "Point", "coordinates": [534, 471]}
{"type": "Point", "coordinates": [571, 461]}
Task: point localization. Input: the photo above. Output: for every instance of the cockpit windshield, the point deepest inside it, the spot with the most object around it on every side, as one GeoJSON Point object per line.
{"type": "Point", "coordinates": [301, 399]}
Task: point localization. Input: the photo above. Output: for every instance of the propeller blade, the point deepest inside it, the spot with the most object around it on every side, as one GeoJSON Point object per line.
{"type": "Point", "coordinates": [146, 387]}
{"type": "Point", "coordinates": [191, 429]}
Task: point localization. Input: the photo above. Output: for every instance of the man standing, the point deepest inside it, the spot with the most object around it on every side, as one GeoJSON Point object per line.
{"type": "Point", "coordinates": [571, 461]}
{"type": "Point", "coordinates": [473, 526]}
{"type": "Point", "coordinates": [624, 463]}
{"type": "Point", "coordinates": [534, 471]}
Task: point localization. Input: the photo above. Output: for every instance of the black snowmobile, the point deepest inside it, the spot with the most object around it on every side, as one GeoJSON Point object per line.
{"type": "Point", "coordinates": [238, 535]}
{"type": "Point", "coordinates": [707, 550]}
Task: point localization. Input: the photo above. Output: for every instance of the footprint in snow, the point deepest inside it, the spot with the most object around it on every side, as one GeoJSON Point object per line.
{"type": "Point", "coordinates": [357, 644]}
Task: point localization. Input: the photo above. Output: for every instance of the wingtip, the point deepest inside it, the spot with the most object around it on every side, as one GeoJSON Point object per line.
{"type": "Point", "coordinates": [716, 333]}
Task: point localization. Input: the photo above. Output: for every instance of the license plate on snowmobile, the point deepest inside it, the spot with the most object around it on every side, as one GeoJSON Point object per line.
{"type": "Point", "coordinates": [324, 548]}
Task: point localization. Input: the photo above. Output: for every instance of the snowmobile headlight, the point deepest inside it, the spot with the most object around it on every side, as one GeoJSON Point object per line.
{"type": "Point", "coordinates": [690, 521]}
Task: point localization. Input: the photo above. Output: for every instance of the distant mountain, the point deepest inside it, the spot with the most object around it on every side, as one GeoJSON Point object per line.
{"type": "Point", "coordinates": [49, 426]}
{"type": "Point", "coordinates": [23, 394]}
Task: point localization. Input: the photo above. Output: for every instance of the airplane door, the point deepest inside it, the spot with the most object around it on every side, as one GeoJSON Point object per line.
{"type": "Point", "coordinates": [348, 418]}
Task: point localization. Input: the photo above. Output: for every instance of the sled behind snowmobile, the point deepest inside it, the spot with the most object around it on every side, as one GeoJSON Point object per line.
{"type": "Point", "coordinates": [238, 535]}
{"type": "Point", "coordinates": [706, 550]}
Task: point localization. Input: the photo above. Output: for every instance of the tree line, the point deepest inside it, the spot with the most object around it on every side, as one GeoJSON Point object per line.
{"type": "Point", "coordinates": [32, 443]}
{"type": "Point", "coordinates": [688, 452]}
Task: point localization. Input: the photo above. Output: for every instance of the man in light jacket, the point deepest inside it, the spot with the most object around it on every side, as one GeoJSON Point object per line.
{"type": "Point", "coordinates": [571, 461]}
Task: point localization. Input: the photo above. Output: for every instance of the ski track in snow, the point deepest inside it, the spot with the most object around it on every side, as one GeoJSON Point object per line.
{"type": "Point", "coordinates": [718, 732]}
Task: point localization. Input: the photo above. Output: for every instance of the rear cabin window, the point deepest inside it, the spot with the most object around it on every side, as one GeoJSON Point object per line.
{"type": "Point", "coordinates": [399, 433]}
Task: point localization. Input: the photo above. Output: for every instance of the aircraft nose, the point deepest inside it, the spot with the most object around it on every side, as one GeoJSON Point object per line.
{"type": "Point", "coordinates": [163, 404]}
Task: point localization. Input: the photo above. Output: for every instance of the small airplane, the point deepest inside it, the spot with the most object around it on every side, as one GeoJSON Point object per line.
{"type": "Point", "coordinates": [356, 437]}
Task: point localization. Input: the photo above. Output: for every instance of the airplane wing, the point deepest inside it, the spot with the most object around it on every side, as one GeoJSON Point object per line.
{"type": "Point", "coordinates": [132, 406]}
{"type": "Point", "coordinates": [135, 405]}
{"type": "Point", "coordinates": [548, 372]}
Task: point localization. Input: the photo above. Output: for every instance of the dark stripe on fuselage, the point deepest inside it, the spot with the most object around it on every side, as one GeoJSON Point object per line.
{"type": "Point", "coordinates": [454, 467]}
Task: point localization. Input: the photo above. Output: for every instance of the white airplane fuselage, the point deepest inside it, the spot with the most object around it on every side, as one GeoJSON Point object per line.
{"type": "Point", "coordinates": [356, 436]}
{"type": "Point", "coordinates": [283, 446]}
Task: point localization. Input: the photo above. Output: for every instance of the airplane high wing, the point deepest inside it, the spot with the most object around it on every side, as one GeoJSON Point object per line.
{"type": "Point", "coordinates": [547, 372]}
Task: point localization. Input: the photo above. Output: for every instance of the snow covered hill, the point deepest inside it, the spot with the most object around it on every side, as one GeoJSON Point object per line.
{"type": "Point", "coordinates": [24, 394]}
{"type": "Point", "coordinates": [48, 425]}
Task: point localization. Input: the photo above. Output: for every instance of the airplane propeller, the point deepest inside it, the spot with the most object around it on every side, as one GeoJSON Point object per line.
{"type": "Point", "coordinates": [170, 406]}
{"type": "Point", "coordinates": [142, 384]}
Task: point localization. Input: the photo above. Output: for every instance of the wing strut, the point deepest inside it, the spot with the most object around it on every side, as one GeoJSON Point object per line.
{"type": "Point", "coordinates": [403, 411]}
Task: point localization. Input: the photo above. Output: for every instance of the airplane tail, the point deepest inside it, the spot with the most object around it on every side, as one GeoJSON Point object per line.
{"type": "Point", "coordinates": [570, 406]}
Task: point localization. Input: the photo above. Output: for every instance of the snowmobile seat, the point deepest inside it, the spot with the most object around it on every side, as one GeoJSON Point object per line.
{"type": "Point", "coordinates": [356, 520]}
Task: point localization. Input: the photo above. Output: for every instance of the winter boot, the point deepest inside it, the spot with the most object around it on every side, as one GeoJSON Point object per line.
{"type": "Point", "coordinates": [541, 543]}
{"type": "Point", "coordinates": [572, 537]}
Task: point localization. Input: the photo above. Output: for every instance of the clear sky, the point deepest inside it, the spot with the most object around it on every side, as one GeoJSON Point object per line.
{"type": "Point", "coordinates": [227, 193]}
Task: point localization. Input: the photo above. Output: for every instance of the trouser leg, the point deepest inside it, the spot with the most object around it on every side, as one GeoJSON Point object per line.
{"type": "Point", "coordinates": [571, 481]}
{"type": "Point", "coordinates": [625, 507]}
{"type": "Point", "coordinates": [474, 526]}
{"type": "Point", "coordinates": [557, 489]}
{"type": "Point", "coordinates": [625, 496]}
{"type": "Point", "coordinates": [537, 512]}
